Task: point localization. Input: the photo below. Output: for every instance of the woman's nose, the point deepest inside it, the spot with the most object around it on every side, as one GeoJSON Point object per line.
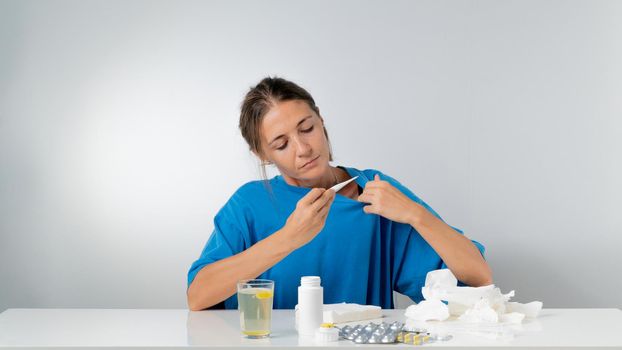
{"type": "Point", "coordinates": [302, 147]}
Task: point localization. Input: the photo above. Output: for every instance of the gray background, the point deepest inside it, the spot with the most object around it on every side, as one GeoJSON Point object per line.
{"type": "Point", "coordinates": [119, 140]}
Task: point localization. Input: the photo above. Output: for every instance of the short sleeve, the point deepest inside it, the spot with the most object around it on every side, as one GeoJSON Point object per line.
{"type": "Point", "coordinates": [226, 240]}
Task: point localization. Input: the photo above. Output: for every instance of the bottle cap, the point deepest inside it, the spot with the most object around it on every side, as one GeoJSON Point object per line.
{"type": "Point", "coordinates": [326, 333]}
{"type": "Point", "coordinates": [310, 281]}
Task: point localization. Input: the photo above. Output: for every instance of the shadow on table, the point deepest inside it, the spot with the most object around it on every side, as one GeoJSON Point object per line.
{"type": "Point", "coordinates": [213, 328]}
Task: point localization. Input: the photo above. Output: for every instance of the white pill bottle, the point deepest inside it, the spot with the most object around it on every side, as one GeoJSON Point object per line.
{"type": "Point", "coordinates": [310, 305]}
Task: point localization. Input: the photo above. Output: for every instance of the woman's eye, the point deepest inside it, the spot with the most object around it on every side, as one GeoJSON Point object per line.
{"type": "Point", "coordinates": [282, 147]}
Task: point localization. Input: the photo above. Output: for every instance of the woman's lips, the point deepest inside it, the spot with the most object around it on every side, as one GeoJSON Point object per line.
{"type": "Point", "coordinates": [311, 162]}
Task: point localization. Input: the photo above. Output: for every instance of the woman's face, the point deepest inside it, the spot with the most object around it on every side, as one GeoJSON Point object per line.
{"type": "Point", "coordinates": [292, 137]}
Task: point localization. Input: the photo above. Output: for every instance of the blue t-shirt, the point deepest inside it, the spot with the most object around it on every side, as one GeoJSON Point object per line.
{"type": "Point", "coordinates": [361, 258]}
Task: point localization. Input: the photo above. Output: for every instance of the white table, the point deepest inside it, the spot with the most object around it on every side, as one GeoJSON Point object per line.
{"type": "Point", "coordinates": [131, 328]}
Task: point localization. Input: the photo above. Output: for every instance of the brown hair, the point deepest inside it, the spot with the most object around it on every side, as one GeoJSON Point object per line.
{"type": "Point", "coordinates": [258, 101]}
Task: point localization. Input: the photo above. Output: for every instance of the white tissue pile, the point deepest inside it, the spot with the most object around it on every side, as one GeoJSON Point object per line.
{"type": "Point", "coordinates": [484, 306]}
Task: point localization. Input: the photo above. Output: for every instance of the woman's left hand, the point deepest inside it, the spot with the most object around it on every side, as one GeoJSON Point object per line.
{"type": "Point", "coordinates": [386, 200]}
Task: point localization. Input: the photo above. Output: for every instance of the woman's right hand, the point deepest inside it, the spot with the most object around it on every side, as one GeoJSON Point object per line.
{"type": "Point", "coordinates": [309, 217]}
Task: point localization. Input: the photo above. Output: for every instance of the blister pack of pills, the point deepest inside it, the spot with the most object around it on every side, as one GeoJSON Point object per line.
{"type": "Point", "coordinates": [372, 333]}
{"type": "Point", "coordinates": [385, 333]}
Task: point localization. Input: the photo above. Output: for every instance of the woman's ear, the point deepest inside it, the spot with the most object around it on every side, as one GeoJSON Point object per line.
{"type": "Point", "coordinates": [263, 160]}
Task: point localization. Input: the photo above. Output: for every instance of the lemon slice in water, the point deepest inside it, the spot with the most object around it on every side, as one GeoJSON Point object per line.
{"type": "Point", "coordinates": [264, 295]}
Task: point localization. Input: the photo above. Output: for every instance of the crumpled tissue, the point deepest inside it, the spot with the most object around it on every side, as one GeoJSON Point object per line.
{"type": "Point", "coordinates": [483, 307]}
{"type": "Point", "coordinates": [428, 310]}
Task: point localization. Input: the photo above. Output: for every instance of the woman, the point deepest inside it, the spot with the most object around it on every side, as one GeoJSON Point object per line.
{"type": "Point", "coordinates": [373, 237]}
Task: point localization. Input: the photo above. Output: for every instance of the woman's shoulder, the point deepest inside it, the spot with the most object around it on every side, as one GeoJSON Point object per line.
{"type": "Point", "coordinates": [369, 173]}
{"type": "Point", "coordinates": [251, 187]}
{"type": "Point", "coordinates": [251, 191]}
{"type": "Point", "coordinates": [245, 199]}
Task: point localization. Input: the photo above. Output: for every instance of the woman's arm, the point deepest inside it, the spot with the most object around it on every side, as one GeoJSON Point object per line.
{"type": "Point", "coordinates": [218, 281]}
{"type": "Point", "coordinates": [458, 252]}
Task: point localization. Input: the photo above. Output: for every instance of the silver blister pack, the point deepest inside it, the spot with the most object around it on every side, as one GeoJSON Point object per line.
{"type": "Point", "coordinates": [385, 333]}
{"type": "Point", "coordinates": [372, 333]}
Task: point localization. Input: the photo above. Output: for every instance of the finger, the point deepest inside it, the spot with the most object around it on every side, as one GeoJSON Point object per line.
{"type": "Point", "coordinates": [376, 183]}
{"type": "Point", "coordinates": [326, 211]}
{"type": "Point", "coordinates": [369, 191]}
{"type": "Point", "coordinates": [323, 212]}
{"type": "Point", "coordinates": [321, 202]}
{"type": "Point", "coordinates": [312, 196]}
{"type": "Point", "coordinates": [369, 209]}
{"type": "Point", "coordinates": [365, 197]}
{"type": "Point", "coordinates": [377, 177]}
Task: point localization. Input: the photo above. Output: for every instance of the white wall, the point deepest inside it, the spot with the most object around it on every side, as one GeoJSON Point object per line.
{"type": "Point", "coordinates": [119, 140]}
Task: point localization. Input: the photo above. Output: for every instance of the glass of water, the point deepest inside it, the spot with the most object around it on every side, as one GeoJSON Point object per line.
{"type": "Point", "coordinates": [255, 298]}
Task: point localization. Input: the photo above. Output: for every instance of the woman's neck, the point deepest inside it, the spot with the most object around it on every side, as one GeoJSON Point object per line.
{"type": "Point", "coordinates": [332, 177]}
